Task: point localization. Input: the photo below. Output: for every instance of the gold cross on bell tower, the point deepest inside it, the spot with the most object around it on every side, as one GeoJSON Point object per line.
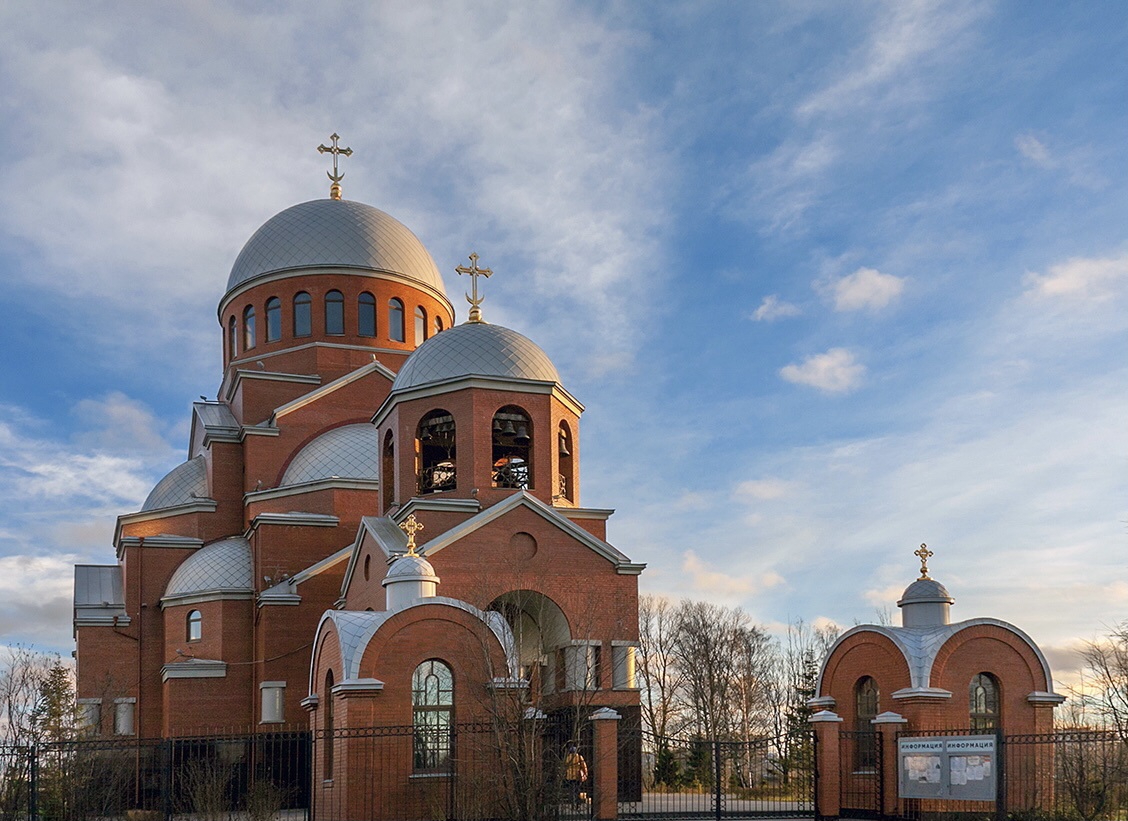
{"type": "Point", "coordinates": [924, 553]}
{"type": "Point", "coordinates": [336, 151]}
{"type": "Point", "coordinates": [474, 271]}
{"type": "Point", "coordinates": [411, 526]}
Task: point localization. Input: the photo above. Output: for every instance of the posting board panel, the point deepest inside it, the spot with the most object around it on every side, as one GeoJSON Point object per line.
{"type": "Point", "coordinates": [964, 768]}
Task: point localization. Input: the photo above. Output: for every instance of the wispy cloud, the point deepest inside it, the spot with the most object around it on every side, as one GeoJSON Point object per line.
{"type": "Point", "coordinates": [1034, 150]}
{"type": "Point", "coordinates": [865, 289]}
{"type": "Point", "coordinates": [773, 308]}
{"type": "Point", "coordinates": [836, 371]}
{"type": "Point", "coordinates": [763, 489]}
{"type": "Point", "coordinates": [1081, 279]}
{"type": "Point", "coordinates": [706, 580]}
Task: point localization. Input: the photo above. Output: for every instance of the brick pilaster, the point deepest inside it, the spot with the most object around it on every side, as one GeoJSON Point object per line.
{"type": "Point", "coordinates": [605, 767]}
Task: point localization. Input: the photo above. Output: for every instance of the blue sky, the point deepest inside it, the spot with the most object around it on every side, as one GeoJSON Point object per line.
{"type": "Point", "coordinates": [833, 279]}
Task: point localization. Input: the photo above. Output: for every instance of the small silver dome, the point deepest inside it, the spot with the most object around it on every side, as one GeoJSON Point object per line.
{"type": "Point", "coordinates": [220, 567]}
{"type": "Point", "coordinates": [411, 566]}
{"type": "Point", "coordinates": [182, 485]}
{"type": "Point", "coordinates": [475, 349]}
{"type": "Point", "coordinates": [348, 452]}
{"type": "Point", "coordinates": [925, 590]}
{"type": "Point", "coordinates": [335, 234]}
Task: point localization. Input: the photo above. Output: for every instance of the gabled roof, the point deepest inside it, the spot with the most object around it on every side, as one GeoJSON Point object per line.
{"type": "Point", "coordinates": [524, 499]}
{"type": "Point", "coordinates": [318, 393]}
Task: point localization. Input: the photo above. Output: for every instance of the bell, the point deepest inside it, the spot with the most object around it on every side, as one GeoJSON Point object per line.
{"type": "Point", "coordinates": [508, 429]}
{"type": "Point", "coordinates": [497, 425]}
{"type": "Point", "coordinates": [522, 437]}
{"type": "Point", "coordinates": [564, 447]}
{"type": "Point", "coordinates": [426, 435]}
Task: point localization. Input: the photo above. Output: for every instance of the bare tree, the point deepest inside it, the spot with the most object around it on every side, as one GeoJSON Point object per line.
{"type": "Point", "coordinates": [1106, 693]}
{"type": "Point", "coordinates": [661, 680]}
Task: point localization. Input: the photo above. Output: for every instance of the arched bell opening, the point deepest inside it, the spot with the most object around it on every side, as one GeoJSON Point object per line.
{"type": "Point", "coordinates": [540, 630]}
{"type": "Point", "coordinates": [512, 449]}
{"type": "Point", "coordinates": [565, 485]}
{"type": "Point", "coordinates": [435, 452]}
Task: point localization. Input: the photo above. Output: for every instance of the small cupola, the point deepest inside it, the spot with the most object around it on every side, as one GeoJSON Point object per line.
{"type": "Point", "coordinates": [411, 576]}
{"type": "Point", "coordinates": [925, 602]}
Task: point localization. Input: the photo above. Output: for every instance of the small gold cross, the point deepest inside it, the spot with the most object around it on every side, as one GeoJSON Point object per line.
{"type": "Point", "coordinates": [924, 554]}
{"type": "Point", "coordinates": [335, 150]}
{"type": "Point", "coordinates": [474, 271]}
{"type": "Point", "coordinates": [410, 526]}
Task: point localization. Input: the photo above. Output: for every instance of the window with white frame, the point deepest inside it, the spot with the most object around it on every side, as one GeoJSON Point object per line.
{"type": "Point", "coordinates": [123, 715]}
{"type": "Point", "coordinates": [273, 695]}
{"type": "Point", "coordinates": [90, 714]}
{"type": "Point", "coordinates": [623, 666]}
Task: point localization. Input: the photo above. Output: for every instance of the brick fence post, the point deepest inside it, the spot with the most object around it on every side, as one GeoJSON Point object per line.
{"type": "Point", "coordinates": [605, 767]}
{"type": "Point", "coordinates": [827, 776]}
{"type": "Point", "coordinates": [888, 724]}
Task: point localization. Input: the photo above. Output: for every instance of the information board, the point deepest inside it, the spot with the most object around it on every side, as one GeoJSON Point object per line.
{"type": "Point", "coordinates": [960, 768]}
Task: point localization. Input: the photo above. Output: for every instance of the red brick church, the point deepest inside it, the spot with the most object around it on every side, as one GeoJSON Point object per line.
{"type": "Point", "coordinates": [378, 522]}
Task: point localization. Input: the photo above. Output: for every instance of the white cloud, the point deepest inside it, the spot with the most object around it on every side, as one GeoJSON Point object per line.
{"type": "Point", "coordinates": [866, 289]}
{"type": "Point", "coordinates": [1081, 278]}
{"type": "Point", "coordinates": [773, 308]}
{"type": "Point", "coordinates": [763, 489]}
{"type": "Point", "coordinates": [836, 371]}
{"type": "Point", "coordinates": [704, 579]}
{"type": "Point", "coordinates": [1034, 150]}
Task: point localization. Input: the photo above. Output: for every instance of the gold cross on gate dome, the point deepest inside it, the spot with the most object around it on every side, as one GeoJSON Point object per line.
{"type": "Point", "coordinates": [474, 271]}
{"type": "Point", "coordinates": [411, 526]}
{"type": "Point", "coordinates": [924, 554]}
{"type": "Point", "coordinates": [336, 151]}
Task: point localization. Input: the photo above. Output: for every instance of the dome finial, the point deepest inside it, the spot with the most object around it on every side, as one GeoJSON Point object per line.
{"type": "Point", "coordinates": [924, 553]}
{"type": "Point", "coordinates": [411, 526]}
{"type": "Point", "coordinates": [474, 271]}
{"type": "Point", "coordinates": [335, 150]}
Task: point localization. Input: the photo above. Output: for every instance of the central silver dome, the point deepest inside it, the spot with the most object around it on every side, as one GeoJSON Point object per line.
{"type": "Point", "coordinates": [475, 349]}
{"type": "Point", "coordinates": [334, 234]}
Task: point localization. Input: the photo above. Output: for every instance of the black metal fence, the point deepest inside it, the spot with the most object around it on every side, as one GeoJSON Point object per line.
{"type": "Point", "coordinates": [860, 769]}
{"type": "Point", "coordinates": [258, 776]}
{"type": "Point", "coordinates": [699, 778]}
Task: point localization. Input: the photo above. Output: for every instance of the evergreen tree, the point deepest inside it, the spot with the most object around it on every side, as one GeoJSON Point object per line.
{"type": "Point", "coordinates": [54, 717]}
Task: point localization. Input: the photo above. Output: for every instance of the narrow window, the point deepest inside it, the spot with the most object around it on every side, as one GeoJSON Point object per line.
{"type": "Point", "coordinates": [512, 449]}
{"type": "Point", "coordinates": [248, 327]}
{"type": "Point", "coordinates": [983, 698]}
{"type": "Point", "coordinates": [334, 313]}
{"type": "Point", "coordinates": [195, 626]}
{"type": "Point", "coordinates": [395, 320]}
{"type": "Point", "coordinates": [436, 452]}
{"type": "Point", "coordinates": [330, 741]}
{"type": "Point", "coordinates": [273, 319]}
{"type": "Point", "coordinates": [303, 314]}
{"type": "Point", "coordinates": [866, 696]}
{"type": "Point", "coordinates": [623, 667]}
{"type": "Point", "coordinates": [366, 314]}
{"type": "Point", "coordinates": [420, 325]}
{"type": "Point", "coordinates": [232, 338]}
{"type": "Point", "coordinates": [432, 703]}
{"type": "Point", "coordinates": [387, 473]}
{"type": "Point", "coordinates": [438, 324]}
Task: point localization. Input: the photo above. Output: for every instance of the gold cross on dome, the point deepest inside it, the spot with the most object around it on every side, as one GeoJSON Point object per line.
{"type": "Point", "coordinates": [474, 271]}
{"type": "Point", "coordinates": [336, 151]}
{"type": "Point", "coordinates": [924, 554]}
{"type": "Point", "coordinates": [410, 526]}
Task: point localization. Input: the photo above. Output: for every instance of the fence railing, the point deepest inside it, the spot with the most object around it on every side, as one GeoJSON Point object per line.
{"type": "Point", "coordinates": [708, 778]}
